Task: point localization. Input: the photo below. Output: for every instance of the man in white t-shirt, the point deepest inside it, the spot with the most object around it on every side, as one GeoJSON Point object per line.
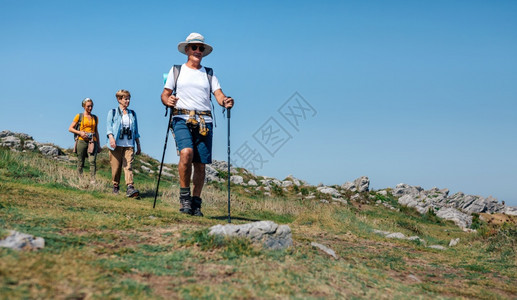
{"type": "Point", "coordinates": [192, 122]}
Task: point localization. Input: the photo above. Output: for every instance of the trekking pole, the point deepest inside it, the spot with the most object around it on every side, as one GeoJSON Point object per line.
{"type": "Point", "coordinates": [228, 116]}
{"type": "Point", "coordinates": [163, 155]}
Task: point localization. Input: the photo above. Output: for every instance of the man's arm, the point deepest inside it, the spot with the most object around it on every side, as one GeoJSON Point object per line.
{"type": "Point", "coordinates": [168, 99]}
{"type": "Point", "coordinates": [221, 98]}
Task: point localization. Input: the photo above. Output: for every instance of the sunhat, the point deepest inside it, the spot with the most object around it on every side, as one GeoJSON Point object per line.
{"type": "Point", "coordinates": [195, 38]}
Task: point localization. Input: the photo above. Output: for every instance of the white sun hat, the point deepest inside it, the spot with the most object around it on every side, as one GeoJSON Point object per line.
{"type": "Point", "coordinates": [195, 38]}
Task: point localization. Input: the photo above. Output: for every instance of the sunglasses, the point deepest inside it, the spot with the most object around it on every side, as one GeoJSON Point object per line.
{"type": "Point", "coordinates": [194, 48]}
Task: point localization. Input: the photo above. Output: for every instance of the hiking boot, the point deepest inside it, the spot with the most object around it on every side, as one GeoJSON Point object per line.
{"type": "Point", "coordinates": [115, 189]}
{"type": "Point", "coordinates": [186, 204]}
{"type": "Point", "coordinates": [132, 192]}
{"type": "Point", "coordinates": [196, 206]}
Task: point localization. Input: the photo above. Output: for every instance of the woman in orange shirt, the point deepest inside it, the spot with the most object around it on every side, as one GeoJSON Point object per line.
{"type": "Point", "coordinates": [87, 137]}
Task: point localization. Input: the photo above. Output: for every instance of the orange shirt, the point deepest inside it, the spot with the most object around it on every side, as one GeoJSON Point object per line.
{"type": "Point", "coordinates": [88, 124]}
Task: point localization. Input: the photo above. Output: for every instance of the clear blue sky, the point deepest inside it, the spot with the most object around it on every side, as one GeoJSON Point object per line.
{"type": "Point", "coordinates": [420, 92]}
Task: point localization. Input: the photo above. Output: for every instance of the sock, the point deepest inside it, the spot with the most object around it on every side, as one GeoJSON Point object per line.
{"type": "Point", "coordinates": [184, 191]}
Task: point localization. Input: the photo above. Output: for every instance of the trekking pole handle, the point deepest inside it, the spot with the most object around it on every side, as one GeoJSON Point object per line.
{"type": "Point", "coordinates": [228, 109]}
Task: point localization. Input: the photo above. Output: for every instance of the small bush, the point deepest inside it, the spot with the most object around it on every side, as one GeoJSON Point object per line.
{"type": "Point", "coordinates": [411, 226]}
{"type": "Point", "coordinates": [476, 221]}
{"type": "Point", "coordinates": [431, 217]}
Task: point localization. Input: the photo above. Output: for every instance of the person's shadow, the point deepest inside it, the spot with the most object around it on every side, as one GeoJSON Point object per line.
{"type": "Point", "coordinates": [233, 218]}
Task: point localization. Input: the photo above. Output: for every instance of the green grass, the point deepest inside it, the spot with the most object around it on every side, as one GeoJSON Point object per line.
{"type": "Point", "coordinates": [104, 246]}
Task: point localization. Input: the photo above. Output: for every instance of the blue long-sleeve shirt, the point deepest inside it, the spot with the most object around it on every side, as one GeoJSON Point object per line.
{"type": "Point", "coordinates": [114, 122]}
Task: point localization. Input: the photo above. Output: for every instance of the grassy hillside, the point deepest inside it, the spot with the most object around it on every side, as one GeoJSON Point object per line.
{"type": "Point", "coordinates": [103, 246]}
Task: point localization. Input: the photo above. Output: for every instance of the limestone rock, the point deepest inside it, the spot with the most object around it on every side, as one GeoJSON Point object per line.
{"type": "Point", "coordinates": [287, 183]}
{"type": "Point", "coordinates": [361, 184]}
{"type": "Point", "coordinates": [461, 219]}
{"type": "Point", "coordinates": [437, 247]}
{"type": "Point", "coordinates": [237, 179]}
{"type": "Point", "coordinates": [396, 235]}
{"type": "Point", "coordinates": [454, 242]}
{"type": "Point", "coordinates": [325, 249]}
{"type": "Point", "coordinates": [18, 241]}
{"type": "Point", "coordinates": [211, 174]}
{"type": "Point", "coordinates": [270, 234]}
{"type": "Point", "coordinates": [329, 190]}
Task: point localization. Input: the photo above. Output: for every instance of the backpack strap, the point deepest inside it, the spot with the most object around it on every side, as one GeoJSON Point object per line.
{"type": "Point", "coordinates": [78, 125]}
{"type": "Point", "coordinates": [96, 121]}
{"type": "Point", "coordinates": [176, 72]}
{"type": "Point", "coordinates": [210, 74]}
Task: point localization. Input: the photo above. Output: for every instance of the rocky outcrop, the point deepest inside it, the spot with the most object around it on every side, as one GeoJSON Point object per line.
{"type": "Point", "coordinates": [476, 204]}
{"type": "Point", "coordinates": [361, 184]}
{"type": "Point", "coordinates": [24, 142]}
{"type": "Point", "coordinates": [268, 233]}
{"type": "Point", "coordinates": [457, 208]}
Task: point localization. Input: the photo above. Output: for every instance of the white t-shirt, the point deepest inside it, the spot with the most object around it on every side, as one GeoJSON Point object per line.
{"type": "Point", "coordinates": [123, 140]}
{"type": "Point", "coordinates": [193, 89]}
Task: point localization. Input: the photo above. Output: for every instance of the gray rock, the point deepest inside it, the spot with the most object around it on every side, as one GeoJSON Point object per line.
{"type": "Point", "coordinates": [413, 278]}
{"type": "Point", "coordinates": [355, 197]}
{"type": "Point", "coordinates": [396, 235]}
{"type": "Point", "coordinates": [405, 189]}
{"type": "Point", "coordinates": [454, 242]}
{"type": "Point", "coordinates": [48, 150]}
{"type": "Point", "coordinates": [211, 174]}
{"type": "Point", "coordinates": [10, 142]}
{"type": "Point", "coordinates": [411, 200]}
{"type": "Point", "coordinates": [384, 233]}
{"type": "Point", "coordinates": [325, 249]}
{"type": "Point", "coordinates": [30, 145]}
{"type": "Point", "coordinates": [437, 247]}
{"type": "Point", "coordinates": [461, 219]}
{"type": "Point", "coordinates": [223, 166]}
{"type": "Point", "coordinates": [270, 234]}
{"type": "Point", "coordinates": [17, 240]}
{"type": "Point", "coordinates": [349, 186]}
{"type": "Point", "coordinates": [237, 179]}
{"type": "Point", "coordinates": [147, 169]}
{"type": "Point", "coordinates": [511, 211]}
{"type": "Point", "coordinates": [362, 184]}
{"type": "Point", "coordinates": [295, 181]}
{"type": "Point", "coordinates": [252, 182]}
{"type": "Point", "coordinates": [456, 207]}
{"type": "Point", "coordinates": [287, 183]}
{"type": "Point", "coordinates": [329, 190]}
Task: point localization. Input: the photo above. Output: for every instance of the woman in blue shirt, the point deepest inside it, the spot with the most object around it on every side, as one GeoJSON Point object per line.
{"type": "Point", "coordinates": [123, 136]}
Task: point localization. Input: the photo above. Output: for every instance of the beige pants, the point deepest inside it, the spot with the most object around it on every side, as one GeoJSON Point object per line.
{"type": "Point", "coordinates": [122, 157]}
